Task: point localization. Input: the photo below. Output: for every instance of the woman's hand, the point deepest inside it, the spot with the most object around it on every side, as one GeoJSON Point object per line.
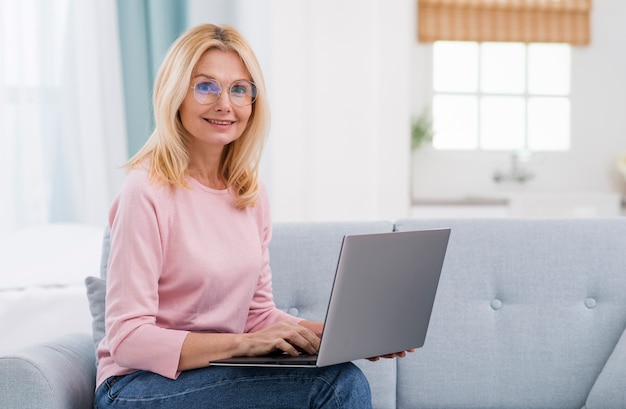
{"type": "Point", "coordinates": [284, 336]}
{"type": "Point", "coordinates": [199, 349]}
{"type": "Point", "coordinates": [389, 356]}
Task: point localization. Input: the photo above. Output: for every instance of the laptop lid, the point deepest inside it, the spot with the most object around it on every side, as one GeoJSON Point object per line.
{"type": "Point", "coordinates": [383, 294]}
{"type": "Point", "coordinates": [381, 300]}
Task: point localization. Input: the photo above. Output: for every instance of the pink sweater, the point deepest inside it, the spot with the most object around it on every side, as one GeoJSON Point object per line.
{"type": "Point", "coordinates": [181, 260]}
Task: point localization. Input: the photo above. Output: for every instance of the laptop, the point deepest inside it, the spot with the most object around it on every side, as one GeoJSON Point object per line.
{"type": "Point", "coordinates": [381, 300]}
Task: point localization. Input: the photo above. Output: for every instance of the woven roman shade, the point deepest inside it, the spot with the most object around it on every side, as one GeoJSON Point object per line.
{"type": "Point", "coordinates": [544, 21]}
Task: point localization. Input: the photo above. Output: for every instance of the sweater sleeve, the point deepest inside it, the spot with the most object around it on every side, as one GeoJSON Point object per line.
{"type": "Point", "coordinates": [138, 221]}
{"type": "Point", "coordinates": [263, 311]}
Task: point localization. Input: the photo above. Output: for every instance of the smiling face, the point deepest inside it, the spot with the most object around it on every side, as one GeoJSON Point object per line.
{"type": "Point", "coordinates": [215, 125]}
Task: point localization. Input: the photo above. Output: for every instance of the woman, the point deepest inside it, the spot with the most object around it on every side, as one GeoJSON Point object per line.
{"type": "Point", "coordinates": [189, 280]}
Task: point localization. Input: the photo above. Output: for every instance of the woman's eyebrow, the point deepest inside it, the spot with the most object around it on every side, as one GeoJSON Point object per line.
{"type": "Point", "coordinates": [213, 78]}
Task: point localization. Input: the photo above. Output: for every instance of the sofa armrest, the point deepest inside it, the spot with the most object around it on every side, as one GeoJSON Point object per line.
{"type": "Point", "coordinates": [57, 374]}
{"type": "Point", "coordinates": [609, 390]}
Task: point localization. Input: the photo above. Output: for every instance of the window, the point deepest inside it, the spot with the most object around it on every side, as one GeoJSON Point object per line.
{"type": "Point", "coordinates": [501, 96]}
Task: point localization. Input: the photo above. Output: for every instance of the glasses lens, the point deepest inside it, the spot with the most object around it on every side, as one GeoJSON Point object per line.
{"type": "Point", "coordinates": [243, 93]}
{"type": "Point", "coordinates": [207, 91]}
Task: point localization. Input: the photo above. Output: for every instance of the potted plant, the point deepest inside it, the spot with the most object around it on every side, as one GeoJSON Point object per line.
{"type": "Point", "coordinates": [621, 165]}
{"type": "Point", "coordinates": [422, 129]}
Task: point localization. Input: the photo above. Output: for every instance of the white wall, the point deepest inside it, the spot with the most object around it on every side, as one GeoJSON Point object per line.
{"type": "Point", "coordinates": [598, 125]}
{"type": "Point", "coordinates": [340, 129]}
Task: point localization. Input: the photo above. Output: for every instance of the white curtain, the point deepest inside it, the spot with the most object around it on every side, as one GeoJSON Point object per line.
{"type": "Point", "coordinates": [62, 134]}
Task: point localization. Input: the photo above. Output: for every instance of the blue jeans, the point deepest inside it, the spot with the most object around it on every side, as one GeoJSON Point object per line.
{"type": "Point", "coordinates": [338, 386]}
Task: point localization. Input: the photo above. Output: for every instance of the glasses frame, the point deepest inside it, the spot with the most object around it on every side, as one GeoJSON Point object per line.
{"type": "Point", "coordinates": [229, 87]}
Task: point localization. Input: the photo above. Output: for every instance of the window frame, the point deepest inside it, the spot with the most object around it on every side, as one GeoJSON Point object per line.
{"type": "Point", "coordinates": [479, 94]}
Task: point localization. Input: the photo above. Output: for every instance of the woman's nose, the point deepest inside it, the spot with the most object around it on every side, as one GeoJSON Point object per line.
{"type": "Point", "coordinates": [223, 102]}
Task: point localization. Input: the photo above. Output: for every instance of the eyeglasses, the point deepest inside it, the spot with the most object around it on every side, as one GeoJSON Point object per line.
{"type": "Point", "coordinates": [242, 92]}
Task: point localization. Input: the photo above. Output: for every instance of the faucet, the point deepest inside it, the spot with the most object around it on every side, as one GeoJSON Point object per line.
{"type": "Point", "coordinates": [517, 173]}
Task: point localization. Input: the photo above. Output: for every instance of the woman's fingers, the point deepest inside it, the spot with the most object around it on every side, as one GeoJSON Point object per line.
{"type": "Point", "coordinates": [303, 339]}
{"type": "Point", "coordinates": [287, 337]}
{"type": "Point", "coordinates": [401, 354]}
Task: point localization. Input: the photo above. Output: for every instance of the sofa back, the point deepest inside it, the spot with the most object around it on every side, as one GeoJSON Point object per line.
{"type": "Point", "coordinates": [527, 314]}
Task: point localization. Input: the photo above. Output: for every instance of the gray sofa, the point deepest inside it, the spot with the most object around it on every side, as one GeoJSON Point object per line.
{"type": "Point", "coordinates": [528, 314]}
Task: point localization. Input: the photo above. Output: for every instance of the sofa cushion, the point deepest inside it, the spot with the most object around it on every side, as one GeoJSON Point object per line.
{"type": "Point", "coordinates": [526, 314]}
{"type": "Point", "coordinates": [36, 314]}
{"type": "Point", "coordinates": [96, 293]}
{"type": "Point", "coordinates": [41, 285]}
{"type": "Point", "coordinates": [609, 391]}
{"type": "Point", "coordinates": [106, 250]}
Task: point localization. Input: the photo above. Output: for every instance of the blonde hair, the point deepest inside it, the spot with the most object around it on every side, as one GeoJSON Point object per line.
{"type": "Point", "coordinates": [165, 149]}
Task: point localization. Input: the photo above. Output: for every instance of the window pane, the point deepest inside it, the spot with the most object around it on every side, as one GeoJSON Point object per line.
{"type": "Point", "coordinates": [502, 123]}
{"type": "Point", "coordinates": [548, 124]}
{"type": "Point", "coordinates": [455, 66]}
{"type": "Point", "coordinates": [549, 69]}
{"type": "Point", "coordinates": [503, 66]}
{"type": "Point", "coordinates": [455, 122]}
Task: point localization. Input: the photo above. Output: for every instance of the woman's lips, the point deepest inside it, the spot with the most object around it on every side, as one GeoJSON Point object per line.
{"type": "Point", "coordinates": [219, 122]}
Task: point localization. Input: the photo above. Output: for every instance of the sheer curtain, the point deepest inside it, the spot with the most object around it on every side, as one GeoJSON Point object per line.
{"type": "Point", "coordinates": [62, 133]}
{"type": "Point", "coordinates": [147, 30]}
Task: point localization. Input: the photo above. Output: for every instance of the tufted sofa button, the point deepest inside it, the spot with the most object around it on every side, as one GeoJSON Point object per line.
{"type": "Point", "coordinates": [496, 304]}
{"type": "Point", "coordinates": [294, 311]}
{"type": "Point", "coordinates": [590, 302]}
